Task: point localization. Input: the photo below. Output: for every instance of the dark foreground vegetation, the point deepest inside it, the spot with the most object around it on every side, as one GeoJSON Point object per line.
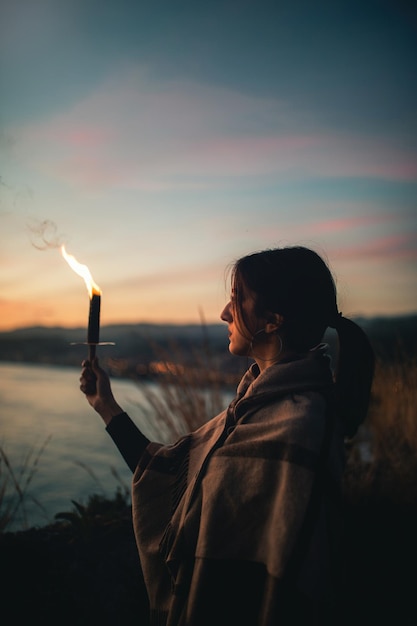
{"type": "Point", "coordinates": [77, 574]}
{"type": "Point", "coordinates": [87, 572]}
{"type": "Point", "coordinates": [84, 568]}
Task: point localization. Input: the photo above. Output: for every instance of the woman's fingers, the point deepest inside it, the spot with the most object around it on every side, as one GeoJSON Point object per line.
{"type": "Point", "coordinates": [87, 379]}
{"type": "Point", "coordinates": [88, 388]}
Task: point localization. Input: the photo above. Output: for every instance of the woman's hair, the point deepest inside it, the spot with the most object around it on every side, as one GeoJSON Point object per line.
{"type": "Point", "coordinates": [296, 283]}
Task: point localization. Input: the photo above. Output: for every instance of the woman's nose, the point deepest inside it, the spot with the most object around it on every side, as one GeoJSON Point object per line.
{"type": "Point", "coordinates": [226, 314]}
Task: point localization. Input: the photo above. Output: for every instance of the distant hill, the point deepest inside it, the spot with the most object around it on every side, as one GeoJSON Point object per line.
{"type": "Point", "coordinates": [136, 345]}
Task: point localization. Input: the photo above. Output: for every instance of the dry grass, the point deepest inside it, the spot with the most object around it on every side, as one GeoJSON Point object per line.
{"type": "Point", "coordinates": [393, 415]}
{"type": "Point", "coordinates": [14, 486]}
{"type": "Point", "coordinates": [189, 391]}
{"type": "Point", "coordinates": [388, 468]}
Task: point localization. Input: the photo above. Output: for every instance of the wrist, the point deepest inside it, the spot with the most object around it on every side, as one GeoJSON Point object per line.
{"type": "Point", "coordinates": [108, 411]}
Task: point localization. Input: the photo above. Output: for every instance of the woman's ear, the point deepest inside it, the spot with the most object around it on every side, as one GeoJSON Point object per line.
{"type": "Point", "coordinates": [274, 323]}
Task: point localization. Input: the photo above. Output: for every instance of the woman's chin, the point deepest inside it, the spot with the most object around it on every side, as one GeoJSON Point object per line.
{"type": "Point", "coordinates": [237, 350]}
{"type": "Point", "coordinates": [232, 349]}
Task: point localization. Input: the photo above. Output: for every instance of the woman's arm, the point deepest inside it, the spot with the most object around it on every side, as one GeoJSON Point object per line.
{"type": "Point", "coordinates": [95, 384]}
{"type": "Point", "coordinates": [128, 439]}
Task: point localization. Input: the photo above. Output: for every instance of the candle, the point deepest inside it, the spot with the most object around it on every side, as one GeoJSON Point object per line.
{"type": "Point", "coordinates": [93, 332]}
{"type": "Point", "coordinates": [93, 329]}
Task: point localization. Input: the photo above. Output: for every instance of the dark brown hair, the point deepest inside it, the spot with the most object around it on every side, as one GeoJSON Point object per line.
{"type": "Point", "coordinates": [296, 283]}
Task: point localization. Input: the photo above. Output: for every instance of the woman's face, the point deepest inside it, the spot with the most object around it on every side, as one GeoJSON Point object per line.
{"type": "Point", "coordinates": [240, 337]}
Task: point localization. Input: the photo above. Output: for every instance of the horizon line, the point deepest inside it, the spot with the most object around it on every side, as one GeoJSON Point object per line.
{"type": "Point", "coordinates": [361, 316]}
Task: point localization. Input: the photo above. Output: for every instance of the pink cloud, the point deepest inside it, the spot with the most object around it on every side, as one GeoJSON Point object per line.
{"type": "Point", "coordinates": [67, 134]}
{"type": "Point", "coordinates": [137, 134]}
{"type": "Point", "coordinates": [86, 170]}
{"type": "Point", "coordinates": [187, 274]}
{"type": "Point", "coordinates": [299, 156]}
{"type": "Point", "coordinates": [343, 224]}
{"type": "Point", "coordinates": [87, 137]}
{"type": "Point", "coordinates": [293, 156]}
{"type": "Point", "coordinates": [347, 224]}
{"type": "Point", "coordinates": [392, 247]}
{"type": "Point", "coordinates": [366, 157]}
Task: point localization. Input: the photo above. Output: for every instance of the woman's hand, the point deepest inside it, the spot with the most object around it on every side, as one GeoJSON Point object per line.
{"type": "Point", "coordinates": [95, 384]}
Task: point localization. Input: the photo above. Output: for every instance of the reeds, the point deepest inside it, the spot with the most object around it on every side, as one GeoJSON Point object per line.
{"type": "Point", "coordinates": [189, 390]}
{"type": "Point", "coordinates": [393, 414]}
{"type": "Point", "coordinates": [382, 459]}
{"type": "Point", "coordinates": [14, 486]}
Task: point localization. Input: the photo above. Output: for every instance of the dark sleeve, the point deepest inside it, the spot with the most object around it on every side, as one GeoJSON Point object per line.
{"type": "Point", "coordinates": [128, 439]}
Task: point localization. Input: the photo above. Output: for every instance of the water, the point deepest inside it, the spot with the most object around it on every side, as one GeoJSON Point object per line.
{"type": "Point", "coordinates": [43, 406]}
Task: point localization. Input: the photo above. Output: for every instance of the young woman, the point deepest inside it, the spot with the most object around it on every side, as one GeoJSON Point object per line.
{"type": "Point", "coordinates": [238, 523]}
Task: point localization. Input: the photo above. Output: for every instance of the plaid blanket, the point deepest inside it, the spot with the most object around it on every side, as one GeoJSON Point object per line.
{"type": "Point", "coordinates": [239, 490]}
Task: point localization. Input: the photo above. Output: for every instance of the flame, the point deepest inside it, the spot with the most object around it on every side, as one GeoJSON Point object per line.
{"type": "Point", "coordinates": [83, 271]}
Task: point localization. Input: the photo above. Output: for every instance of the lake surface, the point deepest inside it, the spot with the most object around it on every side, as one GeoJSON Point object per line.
{"type": "Point", "coordinates": [43, 406]}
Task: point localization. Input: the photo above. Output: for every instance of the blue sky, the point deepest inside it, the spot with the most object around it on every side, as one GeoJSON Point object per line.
{"type": "Point", "coordinates": [161, 140]}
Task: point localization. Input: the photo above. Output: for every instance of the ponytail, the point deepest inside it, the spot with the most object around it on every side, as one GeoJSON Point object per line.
{"type": "Point", "coordinates": [354, 373]}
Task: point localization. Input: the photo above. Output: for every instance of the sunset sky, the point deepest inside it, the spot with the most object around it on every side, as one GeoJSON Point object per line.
{"type": "Point", "coordinates": [162, 140]}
